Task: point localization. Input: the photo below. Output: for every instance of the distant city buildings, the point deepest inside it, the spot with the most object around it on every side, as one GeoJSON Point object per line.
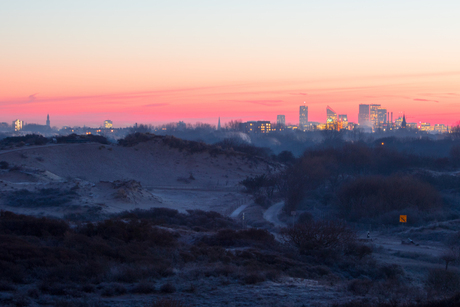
{"type": "Point", "coordinates": [303, 116]}
{"type": "Point", "coordinates": [371, 118]}
{"type": "Point", "coordinates": [331, 119]}
{"type": "Point", "coordinates": [281, 120]}
{"type": "Point", "coordinates": [17, 125]}
{"type": "Point", "coordinates": [256, 127]}
{"type": "Point", "coordinates": [108, 124]}
{"type": "Point", "coordinates": [363, 115]}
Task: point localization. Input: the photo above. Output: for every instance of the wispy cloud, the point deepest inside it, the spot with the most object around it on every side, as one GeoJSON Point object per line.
{"type": "Point", "coordinates": [156, 105]}
{"type": "Point", "coordinates": [299, 94]}
{"type": "Point", "coordinates": [32, 97]}
{"type": "Point", "coordinates": [269, 103]}
{"type": "Point", "coordinates": [427, 100]}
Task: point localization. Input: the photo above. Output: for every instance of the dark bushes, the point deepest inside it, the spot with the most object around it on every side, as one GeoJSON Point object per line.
{"type": "Point", "coordinates": [320, 236]}
{"type": "Point", "coordinates": [34, 139]}
{"type": "Point", "coordinates": [167, 303]}
{"type": "Point", "coordinates": [228, 237]}
{"type": "Point", "coordinates": [41, 198]}
{"type": "Point", "coordinates": [135, 138]}
{"type": "Point", "coordinates": [24, 225]}
{"type": "Point", "coordinates": [372, 196]}
{"type": "Point", "coordinates": [84, 138]}
{"type": "Point", "coordinates": [443, 281]}
{"type": "Point", "coordinates": [167, 288]}
{"type": "Point", "coordinates": [360, 286]}
{"type": "Point", "coordinates": [207, 220]}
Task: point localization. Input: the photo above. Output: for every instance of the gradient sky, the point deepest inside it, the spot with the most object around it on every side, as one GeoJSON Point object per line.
{"type": "Point", "coordinates": [161, 61]}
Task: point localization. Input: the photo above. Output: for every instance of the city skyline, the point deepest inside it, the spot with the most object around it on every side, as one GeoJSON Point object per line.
{"type": "Point", "coordinates": [370, 116]}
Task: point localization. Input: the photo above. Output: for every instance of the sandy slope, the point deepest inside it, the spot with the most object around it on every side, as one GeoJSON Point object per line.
{"type": "Point", "coordinates": [151, 163]}
{"type": "Point", "coordinates": [168, 177]}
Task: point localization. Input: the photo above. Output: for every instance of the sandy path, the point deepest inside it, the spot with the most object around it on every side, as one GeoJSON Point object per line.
{"type": "Point", "coordinates": [238, 210]}
{"type": "Point", "coordinates": [271, 215]}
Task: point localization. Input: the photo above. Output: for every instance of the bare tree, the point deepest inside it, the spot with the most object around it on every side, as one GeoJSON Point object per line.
{"type": "Point", "coordinates": [449, 256]}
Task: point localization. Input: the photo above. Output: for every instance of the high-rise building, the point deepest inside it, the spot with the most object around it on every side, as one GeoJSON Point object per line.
{"type": "Point", "coordinates": [303, 116]}
{"type": "Point", "coordinates": [331, 115]}
{"type": "Point", "coordinates": [363, 115]}
{"type": "Point", "coordinates": [343, 121]}
{"type": "Point", "coordinates": [374, 114]}
{"type": "Point", "coordinates": [17, 125]}
{"type": "Point", "coordinates": [331, 119]}
{"type": "Point", "coordinates": [218, 124]}
{"type": "Point", "coordinates": [343, 118]}
{"type": "Point", "coordinates": [381, 117]}
{"type": "Point", "coordinates": [108, 124]}
{"type": "Point", "coordinates": [48, 123]}
{"type": "Point", "coordinates": [281, 120]}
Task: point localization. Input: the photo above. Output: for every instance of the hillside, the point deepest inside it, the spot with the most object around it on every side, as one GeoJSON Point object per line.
{"type": "Point", "coordinates": [116, 178]}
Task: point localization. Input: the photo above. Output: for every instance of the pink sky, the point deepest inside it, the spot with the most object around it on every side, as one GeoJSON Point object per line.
{"type": "Point", "coordinates": [155, 63]}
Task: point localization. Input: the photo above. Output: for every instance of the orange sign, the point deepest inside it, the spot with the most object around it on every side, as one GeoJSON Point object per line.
{"type": "Point", "coordinates": [403, 218]}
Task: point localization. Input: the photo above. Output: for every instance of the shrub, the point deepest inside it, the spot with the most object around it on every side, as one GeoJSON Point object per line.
{"type": "Point", "coordinates": [11, 223]}
{"type": "Point", "coordinates": [143, 288]}
{"type": "Point", "coordinates": [443, 281]}
{"type": "Point", "coordinates": [113, 289]}
{"type": "Point", "coordinates": [253, 278]}
{"type": "Point", "coordinates": [229, 237]}
{"type": "Point", "coordinates": [167, 288]}
{"type": "Point", "coordinates": [359, 286]}
{"type": "Point", "coordinates": [41, 198]}
{"type": "Point", "coordinates": [4, 165]}
{"type": "Point", "coordinates": [166, 303]}
{"type": "Point", "coordinates": [373, 196]}
{"type": "Point", "coordinates": [6, 286]}
{"type": "Point", "coordinates": [319, 236]}
{"type": "Point", "coordinates": [33, 293]}
{"type": "Point", "coordinates": [391, 271]}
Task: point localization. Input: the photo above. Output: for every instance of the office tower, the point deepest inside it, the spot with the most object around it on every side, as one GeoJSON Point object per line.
{"type": "Point", "coordinates": [363, 115]}
{"type": "Point", "coordinates": [391, 117]}
{"type": "Point", "coordinates": [331, 119]}
{"type": "Point", "coordinates": [108, 124]}
{"type": "Point", "coordinates": [343, 118]}
{"type": "Point", "coordinates": [381, 117]}
{"type": "Point", "coordinates": [48, 123]}
{"type": "Point", "coordinates": [303, 116]}
{"type": "Point", "coordinates": [281, 120]}
{"type": "Point", "coordinates": [331, 115]}
{"type": "Point", "coordinates": [218, 124]}
{"type": "Point", "coordinates": [374, 114]}
{"type": "Point", "coordinates": [17, 125]}
{"type": "Point", "coordinates": [343, 121]}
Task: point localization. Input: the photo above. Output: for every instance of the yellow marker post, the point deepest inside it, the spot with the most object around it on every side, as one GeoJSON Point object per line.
{"type": "Point", "coordinates": [403, 218]}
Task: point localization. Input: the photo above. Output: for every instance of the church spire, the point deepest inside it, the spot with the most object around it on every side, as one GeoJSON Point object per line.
{"type": "Point", "coordinates": [403, 123]}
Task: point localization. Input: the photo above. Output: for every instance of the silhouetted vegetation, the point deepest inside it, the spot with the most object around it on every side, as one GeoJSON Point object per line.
{"type": "Point", "coordinates": [369, 197]}
{"type": "Point", "coordinates": [41, 198]}
{"type": "Point", "coordinates": [85, 138]}
{"type": "Point", "coordinates": [29, 139]}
